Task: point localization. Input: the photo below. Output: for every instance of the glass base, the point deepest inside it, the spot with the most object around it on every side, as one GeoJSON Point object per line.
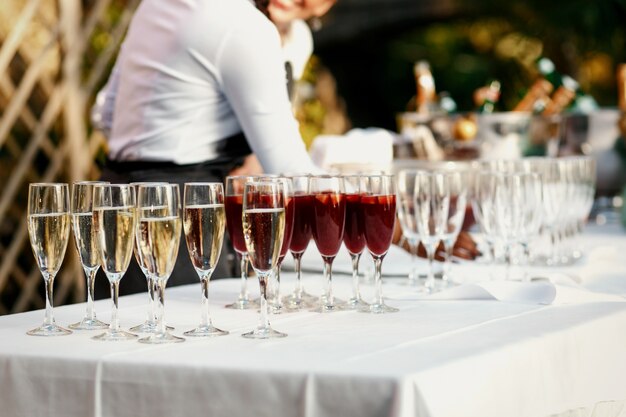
{"type": "Point", "coordinates": [337, 305]}
{"type": "Point", "coordinates": [206, 331]}
{"type": "Point", "coordinates": [49, 330]}
{"type": "Point", "coordinates": [379, 309]}
{"type": "Point", "coordinates": [161, 338]}
{"type": "Point", "coordinates": [243, 304]}
{"type": "Point", "coordinates": [305, 301]}
{"type": "Point", "coordinates": [147, 327]}
{"type": "Point", "coordinates": [89, 324]}
{"type": "Point", "coordinates": [263, 333]}
{"type": "Point", "coordinates": [115, 336]}
{"type": "Point", "coordinates": [355, 304]}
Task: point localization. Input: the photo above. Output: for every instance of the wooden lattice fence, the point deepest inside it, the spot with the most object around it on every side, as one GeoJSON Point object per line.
{"type": "Point", "coordinates": [54, 55]}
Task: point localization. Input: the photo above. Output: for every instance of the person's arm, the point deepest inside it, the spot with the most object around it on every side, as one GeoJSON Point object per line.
{"type": "Point", "coordinates": [253, 78]}
{"type": "Point", "coordinates": [103, 107]}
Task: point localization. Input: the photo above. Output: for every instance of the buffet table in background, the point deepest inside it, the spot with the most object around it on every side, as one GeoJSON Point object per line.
{"type": "Point", "coordinates": [555, 346]}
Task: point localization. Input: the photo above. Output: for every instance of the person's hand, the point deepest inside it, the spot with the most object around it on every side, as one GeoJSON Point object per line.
{"type": "Point", "coordinates": [250, 166]}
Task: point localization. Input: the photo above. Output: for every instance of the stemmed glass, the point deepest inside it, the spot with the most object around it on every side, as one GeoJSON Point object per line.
{"type": "Point", "coordinates": [379, 218]}
{"type": "Point", "coordinates": [354, 233]}
{"type": "Point", "coordinates": [49, 231]}
{"type": "Point", "coordinates": [300, 237]}
{"type": "Point", "coordinates": [329, 216]}
{"type": "Point", "coordinates": [263, 228]}
{"type": "Point", "coordinates": [148, 326]}
{"type": "Point", "coordinates": [432, 202]}
{"type": "Point", "coordinates": [233, 202]}
{"type": "Point", "coordinates": [509, 200]}
{"type": "Point", "coordinates": [483, 207]}
{"type": "Point", "coordinates": [158, 232]}
{"type": "Point", "coordinates": [457, 186]}
{"type": "Point", "coordinates": [406, 214]}
{"type": "Point", "coordinates": [204, 224]}
{"type": "Point", "coordinates": [114, 218]}
{"type": "Point", "coordinates": [86, 243]}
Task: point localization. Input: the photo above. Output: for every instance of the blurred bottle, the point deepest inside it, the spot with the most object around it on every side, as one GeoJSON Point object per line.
{"type": "Point", "coordinates": [426, 96]}
{"type": "Point", "coordinates": [562, 97]}
{"type": "Point", "coordinates": [537, 98]}
{"type": "Point", "coordinates": [581, 102]}
{"type": "Point", "coordinates": [621, 87]}
{"type": "Point", "coordinates": [486, 97]}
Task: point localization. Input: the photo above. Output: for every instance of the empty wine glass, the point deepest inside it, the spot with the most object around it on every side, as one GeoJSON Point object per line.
{"type": "Point", "coordinates": [148, 326]}
{"type": "Point", "coordinates": [233, 202]}
{"type": "Point", "coordinates": [329, 216]}
{"type": "Point", "coordinates": [158, 232]}
{"type": "Point", "coordinates": [354, 233]}
{"type": "Point", "coordinates": [457, 187]}
{"type": "Point", "coordinates": [300, 238]}
{"type": "Point", "coordinates": [408, 222]}
{"type": "Point", "coordinates": [86, 243]}
{"type": "Point", "coordinates": [264, 228]}
{"type": "Point", "coordinates": [115, 220]}
{"type": "Point", "coordinates": [49, 231]}
{"type": "Point", "coordinates": [379, 218]}
{"type": "Point", "coordinates": [432, 202]}
{"type": "Point", "coordinates": [204, 224]}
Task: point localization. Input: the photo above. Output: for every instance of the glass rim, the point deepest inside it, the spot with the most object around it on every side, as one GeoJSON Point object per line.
{"type": "Point", "coordinates": [203, 183]}
{"type": "Point", "coordinates": [47, 184]}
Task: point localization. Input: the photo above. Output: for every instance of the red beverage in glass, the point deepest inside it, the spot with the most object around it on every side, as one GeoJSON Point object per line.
{"type": "Point", "coordinates": [233, 204]}
{"type": "Point", "coordinates": [379, 218]}
{"type": "Point", "coordinates": [303, 216]}
{"type": "Point", "coordinates": [329, 216]}
{"type": "Point", "coordinates": [353, 235]}
{"type": "Point", "coordinates": [289, 222]}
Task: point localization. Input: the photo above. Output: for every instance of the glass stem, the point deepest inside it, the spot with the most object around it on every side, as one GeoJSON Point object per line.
{"type": "Point", "coordinates": [205, 320]}
{"type": "Point", "coordinates": [508, 260]}
{"type": "Point", "coordinates": [115, 290]}
{"type": "Point", "coordinates": [297, 257]}
{"type": "Point", "coordinates": [355, 276]}
{"type": "Point", "coordinates": [328, 279]}
{"type": "Point", "coordinates": [277, 285]}
{"type": "Point", "coordinates": [49, 318]}
{"type": "Point", "coordinates": [151, 302]}
{"type": "Point", "coordinates": [160, 287]}
{"type": "Point", "coordinates": [91, 279]}
{"type": "Point", "coordinates": [413, 274]}
{"type": "Point", "coordinates": [243, 294]}
{"type": "Point", "coordinates": [264, 322]}
{"type": "Point", "coordinates": [430, 281]}
{"type": "Point", "coordinates": [378, 281]}
{"type": "Point", "coordinates": [448, 245]}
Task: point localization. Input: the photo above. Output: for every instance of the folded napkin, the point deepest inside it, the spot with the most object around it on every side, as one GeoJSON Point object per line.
{"type": "Point", "coordinates": [554, 291]}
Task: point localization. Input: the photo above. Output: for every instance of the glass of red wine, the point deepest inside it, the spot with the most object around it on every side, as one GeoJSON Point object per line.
{"type": "Point", "coordinates": [233, 203]}
{"type": "Point", "coordinates": [263, 229]}
{"type": "Point", "coordinates": [354, 233]}
{"type": "Point", "coordinates": [329, 216]}
{"type": "Point", "coordinates": [379, 218]}
{"type": "Point", "coordinates": [301, 236]}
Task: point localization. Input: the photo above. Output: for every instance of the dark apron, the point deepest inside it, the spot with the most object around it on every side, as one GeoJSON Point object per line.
{"type": "Point", "coordinates": [232, 151]}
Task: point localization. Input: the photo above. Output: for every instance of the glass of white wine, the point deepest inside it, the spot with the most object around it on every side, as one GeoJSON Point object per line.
{"type": "Point", "coordinates": [204, 224]}
{"type": "Point", "coordinates": [86, 243]}
{"type": "Point", "coordinates": [115, 220]}
{"type": "Point", "coordinates": [158, 235]}
{"type": "Point", "coordinates": [263, 230]}
{"type": "Point", "coordinates": [148, 326]}
{"type": "Point", "coordinates": [49, 231]}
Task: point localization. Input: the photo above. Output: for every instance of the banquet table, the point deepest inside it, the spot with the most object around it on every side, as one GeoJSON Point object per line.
{"type": "Point", "coordinates": [559, 348]}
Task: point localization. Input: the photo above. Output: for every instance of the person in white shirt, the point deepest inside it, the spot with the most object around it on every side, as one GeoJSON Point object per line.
{"type": "Point", "coordinates": [199, 85]}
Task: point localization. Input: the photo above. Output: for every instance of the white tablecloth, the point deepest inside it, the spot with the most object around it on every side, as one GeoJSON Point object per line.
{"type": "Point", "coordinates": [436, 357]}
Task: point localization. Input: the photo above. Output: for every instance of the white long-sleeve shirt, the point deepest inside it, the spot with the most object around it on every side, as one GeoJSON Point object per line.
{"type": "Point", "coordinates": [194, 72]}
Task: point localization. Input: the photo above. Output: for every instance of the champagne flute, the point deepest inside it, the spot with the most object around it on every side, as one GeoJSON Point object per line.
{"type": "Point", "coordinates": [148, 326]}
{"type": "Point", "coordinates": [158, 233]}
{"type": "Point", "coordinates": [114, 219]}
{"type": "Point", "coordinates": [233, 203]}
{"type": "Point", "coordinates": [329, 216]}
{"type": "Point", "coordinates": [300, 237]}
{"type": "Point", "coordinates": [456, 183]}
{"type": "Point", "coordinates": [204, 224]}
{"type": "Point", "coordinates": [354, 233]}
{"type": "Point", "coordinates": [49, 231]}
{"type": "Point", "coordinates": [379, 218]}
{"type": "Point", "coordinates": [408, 221]}
{"type": "Point", "coordinates": [86, 243]}
{"type": "Point", "coordinates": [264, 228]}
{"type": "Point", "coordinates": [432, 202]}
